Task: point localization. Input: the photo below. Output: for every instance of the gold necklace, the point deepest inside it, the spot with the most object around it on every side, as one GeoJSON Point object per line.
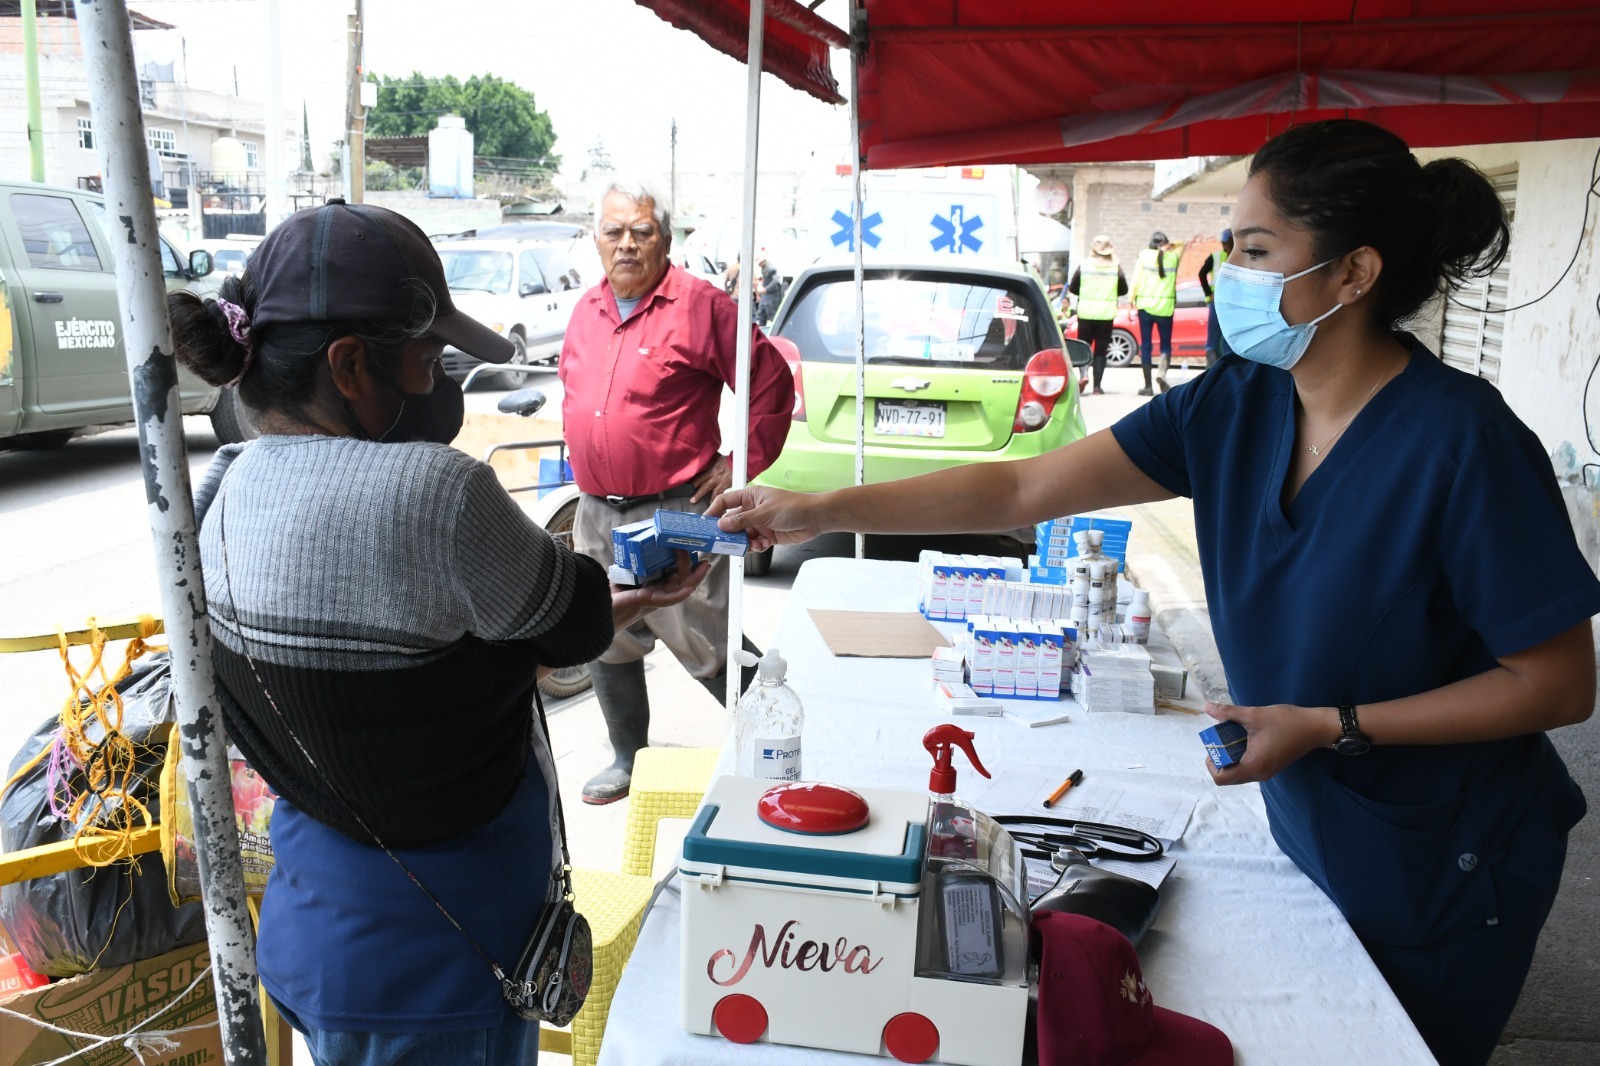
{"type": "Point", "coordinates": [1316, 450]}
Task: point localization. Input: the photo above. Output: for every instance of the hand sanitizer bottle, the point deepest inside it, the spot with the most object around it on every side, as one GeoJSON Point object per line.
{"type": "Point", "coordinates": [952, 826]}
{"type": "Point", "coordinates": [768, 722]}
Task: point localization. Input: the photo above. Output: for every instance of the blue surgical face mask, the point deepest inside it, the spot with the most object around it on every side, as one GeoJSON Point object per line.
{"type": "Point", "coordinates": [1249, 310]}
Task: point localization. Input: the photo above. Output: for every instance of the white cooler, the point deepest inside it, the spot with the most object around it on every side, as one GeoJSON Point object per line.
{"type": "Point", "coordinates": [809, 935]}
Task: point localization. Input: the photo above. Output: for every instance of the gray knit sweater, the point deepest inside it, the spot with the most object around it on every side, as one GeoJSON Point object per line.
{"type": "Point", "coordinates": [396, 603]}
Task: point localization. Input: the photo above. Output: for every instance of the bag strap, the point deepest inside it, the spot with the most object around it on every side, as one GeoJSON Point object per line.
{"type": "Point", "coordinates": [564, 870]}
{"type": "Point", "coordinates": [562, 873]}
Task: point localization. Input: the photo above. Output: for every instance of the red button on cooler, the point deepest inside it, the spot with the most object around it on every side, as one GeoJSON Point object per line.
{"type": "Point", "coordinates": [816, 809]}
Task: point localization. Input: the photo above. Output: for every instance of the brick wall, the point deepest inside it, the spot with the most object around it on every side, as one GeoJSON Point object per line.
{"type": "Point", "coordinates": [1128, 216]}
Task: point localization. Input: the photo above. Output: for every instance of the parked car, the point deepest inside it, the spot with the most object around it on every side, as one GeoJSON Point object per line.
{"type": "Point", "coordinates": [1188, 329]}
{"type": "Point", "coordinates": [527, 231]}
{"type": "Point", "coordinates": [62, 367]}
{"type": "Point", "coordinates": [964, 364]}
{"type": "Point", "coordinates": [228, 256]}
{"type": "Point", "coordinates": [698, 264]}
{"type": "Point", "coordinates": [521, 289]}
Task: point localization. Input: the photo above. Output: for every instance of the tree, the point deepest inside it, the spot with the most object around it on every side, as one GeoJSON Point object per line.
{"type": "Point", "coordinates": [502, 116]}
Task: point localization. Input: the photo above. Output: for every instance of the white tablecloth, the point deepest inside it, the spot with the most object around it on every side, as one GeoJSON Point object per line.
{"type": "Point", "coordinates": [1243, 940]}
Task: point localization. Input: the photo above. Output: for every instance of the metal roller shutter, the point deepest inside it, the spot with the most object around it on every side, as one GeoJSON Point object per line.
{"type": "Point", "coordinates": [1472, 339]}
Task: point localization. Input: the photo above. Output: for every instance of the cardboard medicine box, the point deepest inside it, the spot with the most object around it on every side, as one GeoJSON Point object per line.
{"type": "Point", "coordinates": [694, 532]}
{"type": "Point", "coordinates": [620, 537]}
{"type": "Point", "coordinates": [110, 1002]}
{"type": "Point", "coordinates": [1225, 743]}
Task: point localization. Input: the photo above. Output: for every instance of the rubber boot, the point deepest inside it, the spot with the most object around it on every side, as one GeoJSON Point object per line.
{"type": "Point", "coordinates": [625, 702]}
{"type": "Point", "coordinates": [718, 686]}
{"type": "Point", "coordinates": [1146, 391]}
{"type": "Point", "coordinates": [1161, 371]}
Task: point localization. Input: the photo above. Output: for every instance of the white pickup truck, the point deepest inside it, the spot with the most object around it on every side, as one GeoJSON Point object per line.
{"type": "Point", "coordinates": [523, 290]}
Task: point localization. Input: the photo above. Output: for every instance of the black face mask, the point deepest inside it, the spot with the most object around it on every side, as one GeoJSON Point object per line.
{"type": "Point", "coordinates": [435, 416]}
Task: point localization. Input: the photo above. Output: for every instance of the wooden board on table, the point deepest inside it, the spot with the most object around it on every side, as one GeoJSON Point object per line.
{"type": "Point", "coordinates": [878, 634]}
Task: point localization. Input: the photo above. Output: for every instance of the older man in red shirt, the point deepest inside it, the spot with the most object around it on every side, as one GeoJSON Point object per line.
{"type": "Point", "coordinates": [647, 355]}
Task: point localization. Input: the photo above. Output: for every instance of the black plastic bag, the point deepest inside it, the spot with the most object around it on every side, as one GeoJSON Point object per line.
{"type": "Point", "coordinates": [84, 919]}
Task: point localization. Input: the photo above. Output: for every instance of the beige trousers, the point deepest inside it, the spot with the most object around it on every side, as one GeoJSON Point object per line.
{"type": "Point", "coordinates": [696, 630]}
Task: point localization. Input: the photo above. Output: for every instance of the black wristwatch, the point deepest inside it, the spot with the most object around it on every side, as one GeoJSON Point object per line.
{"type": "Point", "coordinates": [1352, 741]}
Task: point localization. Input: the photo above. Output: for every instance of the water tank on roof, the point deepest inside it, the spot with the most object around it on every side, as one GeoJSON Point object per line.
{"type": "Point", "coordinates": [228, 157]}
{"type": "Point", "coordinates": [450, 159]}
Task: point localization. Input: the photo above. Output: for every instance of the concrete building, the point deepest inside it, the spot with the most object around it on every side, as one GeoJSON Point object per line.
{"type": "Point", "coordinates": [1117, 199]}
{"type": "Point", "coordinates": [1533, 327]}
{"type": "Point", "coordinates": [183, 124]}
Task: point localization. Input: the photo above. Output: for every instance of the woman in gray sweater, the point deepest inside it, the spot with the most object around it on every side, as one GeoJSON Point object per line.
{"type": "Point", "coordinates": [382, 610]}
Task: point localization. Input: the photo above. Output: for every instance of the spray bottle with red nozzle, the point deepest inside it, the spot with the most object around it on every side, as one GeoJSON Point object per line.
{"type": "Point", "coordinates": [952, 830]}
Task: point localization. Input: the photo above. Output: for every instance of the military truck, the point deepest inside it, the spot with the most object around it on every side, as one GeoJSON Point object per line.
{"type": "Point", "coordinates": [62, 368]}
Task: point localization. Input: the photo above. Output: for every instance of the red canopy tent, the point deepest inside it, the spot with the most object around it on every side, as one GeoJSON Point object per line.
{"type": "Point", "coordinates": [974, 81]}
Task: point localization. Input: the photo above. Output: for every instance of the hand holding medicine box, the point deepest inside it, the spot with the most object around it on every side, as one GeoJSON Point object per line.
{"type": "Point", "coordinates": [1225, 743]}
{"type": "Point", "coordinates": [694, 532]}
{"type": "Point", "coordinates": [638, 557]}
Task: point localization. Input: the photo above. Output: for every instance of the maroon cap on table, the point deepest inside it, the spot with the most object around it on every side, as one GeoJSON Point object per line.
{"type": "Point", "coordinates": [342, 262]}
{"type": "Point", "coordinates": [1094, 1008]}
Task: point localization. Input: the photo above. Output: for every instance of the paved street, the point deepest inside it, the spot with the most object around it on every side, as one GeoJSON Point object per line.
{"type": "Point", "coordinates": [72, 521]}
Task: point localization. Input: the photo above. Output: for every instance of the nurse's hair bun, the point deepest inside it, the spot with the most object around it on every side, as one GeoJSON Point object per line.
{"type": "Point", "coordinates": [1354, 185]}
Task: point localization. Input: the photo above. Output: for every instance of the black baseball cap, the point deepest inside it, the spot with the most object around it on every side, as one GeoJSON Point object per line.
{"type": "Point", "coordinates": [342, 261]}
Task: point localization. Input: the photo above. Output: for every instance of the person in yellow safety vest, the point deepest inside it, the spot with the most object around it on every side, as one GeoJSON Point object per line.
{"type": "Point", "coordinates": [1155, 295]}
{"type": "Point", "coordinates": [1216, 344]}
{"type": "Point", "coordinates": [1097, 284]}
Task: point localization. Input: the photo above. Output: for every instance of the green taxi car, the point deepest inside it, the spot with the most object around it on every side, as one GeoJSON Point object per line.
{"type": "Point", "coordinates": [963, 364]}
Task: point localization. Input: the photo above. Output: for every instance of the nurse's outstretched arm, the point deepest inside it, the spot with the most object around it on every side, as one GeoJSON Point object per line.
{"type": "Point", "coordinates": [975, 498]}
{"type": "Point", "coordinates": [1549, 685]}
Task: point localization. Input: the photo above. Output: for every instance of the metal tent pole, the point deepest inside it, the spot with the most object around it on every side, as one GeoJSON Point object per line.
{"type": "Point", "coordinates": [857, 162]}
{"type": "Point", "coordinates": [153, 375]}
{"type": "Point", "coordinates": [741, 392]}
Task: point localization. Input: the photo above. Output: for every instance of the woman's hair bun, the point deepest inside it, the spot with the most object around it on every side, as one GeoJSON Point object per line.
{"type": "Point", "coordinates": [1473, 234]}
{"type": "Point", "coordinates": [201, 333]}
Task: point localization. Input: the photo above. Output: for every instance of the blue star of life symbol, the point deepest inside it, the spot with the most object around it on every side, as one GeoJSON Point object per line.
{"type": "Point", "coordinates": [847, 230]}
{"type": "Point", "coordinates": [956, 232]}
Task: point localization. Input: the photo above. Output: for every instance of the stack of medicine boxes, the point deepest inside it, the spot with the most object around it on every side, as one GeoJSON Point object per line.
{"type": "Point", "coordinates": [642, 552]}
{"type": "Point", "coordinates": [1017, 644]}
{"type": "Point", "coordinates": [637, 556]}
{"type": "Point", "coordinates": [1056, 548]}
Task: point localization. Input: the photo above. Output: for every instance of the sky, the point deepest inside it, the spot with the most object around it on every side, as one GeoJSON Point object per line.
{"type": "Point", "coordinates": [602, 69]}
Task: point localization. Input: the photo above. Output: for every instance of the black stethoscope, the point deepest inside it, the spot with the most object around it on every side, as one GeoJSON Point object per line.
{"type": "Point", "coordinates": [1093, 839]}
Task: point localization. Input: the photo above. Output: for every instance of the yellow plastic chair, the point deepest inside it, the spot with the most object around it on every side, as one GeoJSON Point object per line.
{"type": "Point", "coordinates": [667, 783]}
{"type": "Point", "coordinates": [614, 905]}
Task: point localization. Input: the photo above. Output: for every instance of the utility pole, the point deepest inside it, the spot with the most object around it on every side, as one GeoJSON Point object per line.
{"type": "Point", "coordinates": [274, 159]}
{"type": "Point", "coordinates": [673, 189]}
{"type": "Point", "coordinates": [355, 114]}
{"type": "Point", "coordinates": [153, 380]}
{"type": "Point", "coordinates": [30, 73]}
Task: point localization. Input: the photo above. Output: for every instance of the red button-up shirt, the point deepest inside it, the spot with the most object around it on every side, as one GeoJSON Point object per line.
{"type": "Point", "coordinates": [641, 398]}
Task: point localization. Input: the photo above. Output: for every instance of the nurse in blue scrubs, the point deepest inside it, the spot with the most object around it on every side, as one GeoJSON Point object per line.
{"type": "Point", "coordinates": [1394, 584]}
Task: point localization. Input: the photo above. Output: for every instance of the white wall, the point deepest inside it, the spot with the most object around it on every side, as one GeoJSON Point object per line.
{"type": "Point", "coordinates": [1551, 347]}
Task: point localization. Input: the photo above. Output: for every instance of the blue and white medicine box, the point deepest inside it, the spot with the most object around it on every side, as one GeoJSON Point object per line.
{"type": "Point", "coordinates": [647, 555]}
{"type": "Point", "coordinates": [619, 540]}
{"type": "Point", "coordinates": [693, 532]}
{"type": "Point", "coordinates": [1055, 544]}
{"type": "Point", "coordinates": [1040, 574]}
{"type": "Point", "coordinates": [1225, 743]}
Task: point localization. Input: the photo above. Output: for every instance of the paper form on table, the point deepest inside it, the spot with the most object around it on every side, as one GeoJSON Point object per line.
{"type": "Point", "coordinates": [1161, 815]}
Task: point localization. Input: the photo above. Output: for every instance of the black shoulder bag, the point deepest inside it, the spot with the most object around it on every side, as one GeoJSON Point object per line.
{"type": "Point", "coordinates": [552, 976]}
